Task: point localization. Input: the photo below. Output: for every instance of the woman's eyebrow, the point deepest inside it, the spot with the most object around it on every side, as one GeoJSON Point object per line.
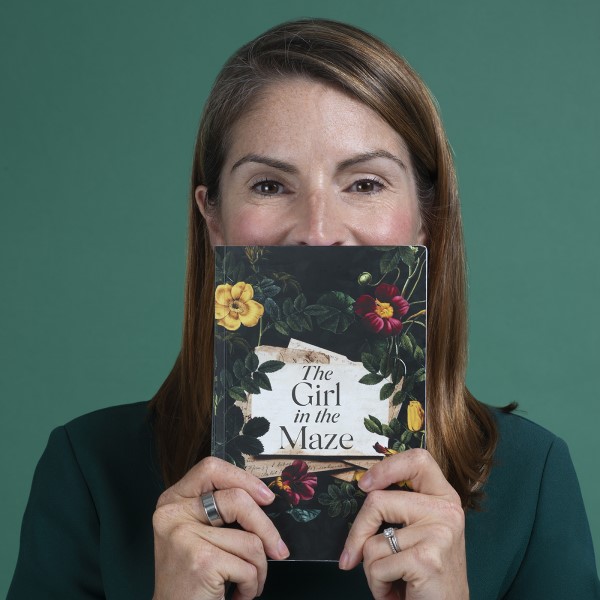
{"type": "Point", "coordinates": [344, 164]}
{"type": "Point", "coordinates": [265, 160]}
{"type": "Point", "coordinates": [366, 156]}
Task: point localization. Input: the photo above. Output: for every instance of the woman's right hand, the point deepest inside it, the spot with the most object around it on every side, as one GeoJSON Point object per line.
{"type": "Point", "coordinates": [193, 559]}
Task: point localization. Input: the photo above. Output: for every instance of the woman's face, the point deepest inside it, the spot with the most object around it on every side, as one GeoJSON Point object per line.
{"type": "Point", "coordinates": [309, 165]}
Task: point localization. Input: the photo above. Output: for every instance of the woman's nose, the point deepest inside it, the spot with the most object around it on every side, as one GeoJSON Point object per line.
{"type": "Point", "coordinates": [319, 221]}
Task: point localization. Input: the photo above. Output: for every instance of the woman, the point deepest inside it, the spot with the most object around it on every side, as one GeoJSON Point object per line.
{"type": "Point", "coordinates": [315, 133]}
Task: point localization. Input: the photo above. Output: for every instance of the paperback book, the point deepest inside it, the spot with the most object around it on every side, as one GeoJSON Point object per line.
{"type": "Point", "coordinates": [320, 372]}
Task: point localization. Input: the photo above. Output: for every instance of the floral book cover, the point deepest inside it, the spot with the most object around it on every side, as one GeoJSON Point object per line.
{"type": "Point", "coordinates": [319, 373]}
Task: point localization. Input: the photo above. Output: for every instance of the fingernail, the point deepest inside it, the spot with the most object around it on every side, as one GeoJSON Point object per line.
{"type": "Point", "coordinates": [365, 482]}
{"type": "Point", "coordinates": [283, 549]}
{"type": "Point", "coordinates": [344, 559]}
{"type": "Point", "coordinates": [265, 492]}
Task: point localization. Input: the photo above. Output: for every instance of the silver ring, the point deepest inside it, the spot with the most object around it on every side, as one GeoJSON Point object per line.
{"type": "Point", "coordinates": [210, 508]}
{"type": "Point", "coordinates": [390, 534]}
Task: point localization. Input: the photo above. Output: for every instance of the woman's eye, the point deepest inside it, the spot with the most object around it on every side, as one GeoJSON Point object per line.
{"type": "Point", "coordinates": [267, 187]}
{"type": "Point", "coordinates": [367, 186]}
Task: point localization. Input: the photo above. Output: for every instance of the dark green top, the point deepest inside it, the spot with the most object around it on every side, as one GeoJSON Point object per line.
{"type": "Point", "coordinates": [87, 529]}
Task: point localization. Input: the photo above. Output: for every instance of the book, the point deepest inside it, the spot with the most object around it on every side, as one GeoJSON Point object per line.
{"type": "Point", "coordinates": [320, 372]}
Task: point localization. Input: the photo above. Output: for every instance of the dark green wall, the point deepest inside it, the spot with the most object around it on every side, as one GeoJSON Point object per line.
{"type": "Point", "coordinates": [100, 102]}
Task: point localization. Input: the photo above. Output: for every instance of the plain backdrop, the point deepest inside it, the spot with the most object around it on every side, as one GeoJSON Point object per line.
{"type": "Point", "coordinates": [100, 102]}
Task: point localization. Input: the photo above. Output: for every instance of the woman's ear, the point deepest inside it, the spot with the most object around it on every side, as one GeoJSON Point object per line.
{"type": "Point", "coordinates": [211, 216]}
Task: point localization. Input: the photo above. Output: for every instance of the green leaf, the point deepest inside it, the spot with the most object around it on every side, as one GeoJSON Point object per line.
{"type": "Point", "coordinates": [234, 420]}
{"type": "Point", "coordinates": [294, 322]}
{"type": "Point", "coordinates": [375, 420]}
{"type": "Point", "coordinates": [247, 444]}
{"type": "Point", "coordinates": [398, 398]}
{"type": "Point", "coordinates": [419, 375]}
{"type": "Point", "coordinates": [345, 508]}
{"type": "Point", "coordinates": [325, 499]}
{"type": "Point", "coordinates": [256, 427]}
{"type": "Point", "coordinates": [405, 437]}
{"type": "Point", "coordinates": [288, 306]}
{"type": "Point", "coordinates": [397, 372]}
{"type": "Point", "coordinates": [386, 391]}
{"type": "Point", "coordinates": [340, 311]}
{"type": "Point", "coordinates": [300, 302]}
{"type": "Point", "coordinates": [225, 378]}
{"type": "Point", "coordinates": [239, 370]}
{"type": "Point", "coordinates": [270, 366]}
{"type": "Point", "coordinates": [316, 311]}
{"type": "Point", "coordinates": [262, 380]}
{"type": "Point", "coordinates": [372, 427]}
{"type": "Point", "coordinates": [272, 309]}
{"type": "Point", "coordinates": [408, 257]}
{"type": "Point", "coordinates": [387, 431]}
{"type": "Point", "coordinates": [370, 363]}
{"type": "Point", "coordinates": [406, 344]}
{"type": "Point", "coordinates": [409, 384]}
{"type": "Point", "coordinates": [371, 379]}
{"type": "Point", "coordinates": [237, 393]}
{"type": "Point", "coordinates": [396, 426]}
{"type": "Point", "coordinates": [385, 366]}
{"type": "Point", "coordinates": [379, 349]}
{"type": "Point", "coordinates": [347, 488]}
{"type": "Point", "coordinates": [251, 362]}
{"type": "Point", "coordinates": [235, 457]}
{"type": "Point", "coordinates": [388, 261]}
{"type": "Point", "coordinates": [306, 322]}
{"type": "Point", "coordinates": [334, 509]}
{"type": "Point", "coordinates": [282, 328]}
{"type": "Point", "coordinates": [303, 515]}
{"type": "Point", "coordinates": [250, 386]}
{"type": "Point", "coordinates": [396, 446]}
{"type": "Point", "coordinates": [419, 355]}
{"type": "Point", "coordinates": [270, 290]}
{"type": "Point", "coordinates": [333, 490]}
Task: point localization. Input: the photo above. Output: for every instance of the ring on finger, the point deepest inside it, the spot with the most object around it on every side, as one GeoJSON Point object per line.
{"type": "Point", "coordinates": [210, 508]}
{"type": "Point", "coordinates": [390, 534]}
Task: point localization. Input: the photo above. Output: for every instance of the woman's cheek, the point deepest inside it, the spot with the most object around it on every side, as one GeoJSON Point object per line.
{"type": "Point", "coordinates": [251, 226]}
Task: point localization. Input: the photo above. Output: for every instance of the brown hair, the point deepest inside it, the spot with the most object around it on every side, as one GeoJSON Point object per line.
{"type": "Point", "coordinates": [461, 431]}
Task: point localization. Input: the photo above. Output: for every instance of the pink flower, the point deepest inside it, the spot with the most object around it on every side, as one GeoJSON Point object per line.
{"type": "Point", "coordinates": [381, 314]}
{"type": "Point", "coordinates": [295, 483]}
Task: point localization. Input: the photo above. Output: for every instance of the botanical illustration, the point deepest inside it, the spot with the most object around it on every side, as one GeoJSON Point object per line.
{"type": "Point", "coordinates": [367, 305]}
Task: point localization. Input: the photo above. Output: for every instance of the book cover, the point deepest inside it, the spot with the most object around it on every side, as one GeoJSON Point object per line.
{"type": "Point", "coordinates": [319, 373]}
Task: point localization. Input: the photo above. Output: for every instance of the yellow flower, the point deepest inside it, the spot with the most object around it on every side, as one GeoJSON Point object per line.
{"type": "Point", "coordinates": [416, 415]}
{"type": "Point", "coordinates": [234, 306]}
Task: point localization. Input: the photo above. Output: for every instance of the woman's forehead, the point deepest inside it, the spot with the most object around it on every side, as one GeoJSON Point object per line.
{"type": "Point", "coordinates": [299, 116]}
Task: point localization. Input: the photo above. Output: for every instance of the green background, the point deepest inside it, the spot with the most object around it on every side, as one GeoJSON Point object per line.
{"type": "Point", "coordinates": [99, 107]}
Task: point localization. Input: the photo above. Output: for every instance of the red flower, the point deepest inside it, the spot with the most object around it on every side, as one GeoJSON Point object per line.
{"type": "Point", "coordinates": [383, 450]}
{"type": "Point", "coordinates": [295, 482]}
{"type": "Point", "coordinates": [382, 314]}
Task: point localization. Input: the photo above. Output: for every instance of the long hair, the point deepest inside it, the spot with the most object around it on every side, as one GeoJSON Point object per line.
{"type": "Point", "coordinates": [461, 431]}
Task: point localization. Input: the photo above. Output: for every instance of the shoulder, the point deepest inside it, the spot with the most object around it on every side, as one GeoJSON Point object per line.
{"type": "Point", "coordinates": [526, 456]}
{"type": "Point", "coordinates": [112, 444]}
{"type": "Point", "coordinates": [523, 442]}
{"type": "Point", "coordinates": [531, 482]}
{"type": "Point", "coordinates": [514, 426]}
{"type": "Point", "coordinates": [93, 495]}
{"type": "Point", "coordinates": [113, 418]}
{"type": "Point", "coordinates": [115, 428]}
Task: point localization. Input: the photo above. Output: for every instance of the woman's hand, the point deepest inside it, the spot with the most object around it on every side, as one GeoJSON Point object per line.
{"type": "Point", "coordinates": [193, 559]}
{"type": "Point", "coordinates": [431, 563]}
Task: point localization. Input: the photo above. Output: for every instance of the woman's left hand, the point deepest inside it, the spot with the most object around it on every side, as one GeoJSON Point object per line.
{"type": "Point", "coordinates": [431, 563]}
